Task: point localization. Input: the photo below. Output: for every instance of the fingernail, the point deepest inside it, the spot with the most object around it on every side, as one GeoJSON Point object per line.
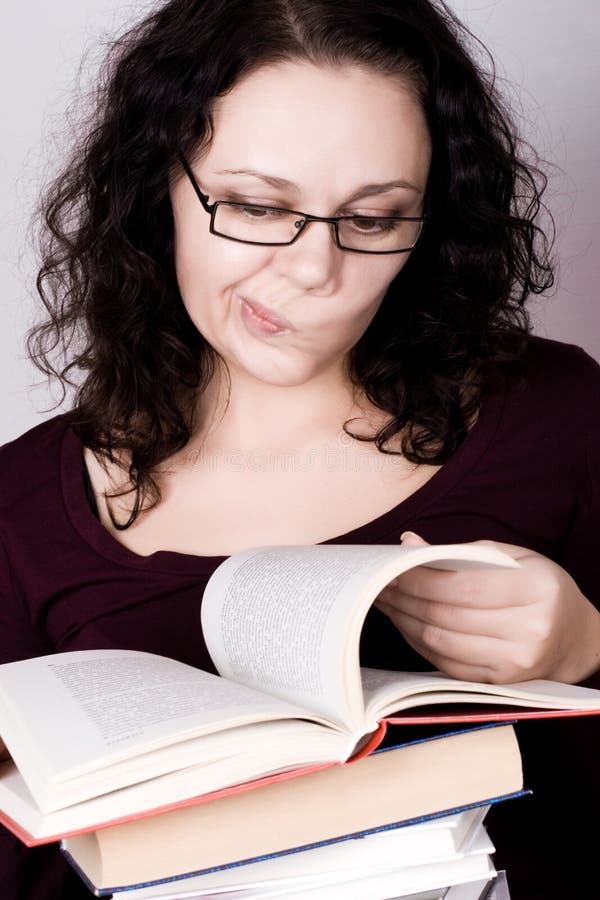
{"type": "Point", "coordinates": [408, 534]}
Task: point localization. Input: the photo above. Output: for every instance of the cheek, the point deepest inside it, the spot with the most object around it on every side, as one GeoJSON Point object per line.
{"type": "Point", "coordinates": [369, 283]}
{"type": "Point", "coordinates": [209, 266]}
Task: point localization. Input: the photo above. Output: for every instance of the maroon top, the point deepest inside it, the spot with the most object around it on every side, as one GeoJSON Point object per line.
{"type": "Point", "coordinates": [527, 474]}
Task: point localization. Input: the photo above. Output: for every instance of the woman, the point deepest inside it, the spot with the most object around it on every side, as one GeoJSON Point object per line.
{"type": "Point", "coordinates": [295, 244]}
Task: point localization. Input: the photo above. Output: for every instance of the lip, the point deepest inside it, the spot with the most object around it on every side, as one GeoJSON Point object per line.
{"type": "Point", "coordinates": [267, 316]}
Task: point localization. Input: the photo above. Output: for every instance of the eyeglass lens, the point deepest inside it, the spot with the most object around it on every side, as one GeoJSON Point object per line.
{"type": "Point", "coordinates": [260, 224]}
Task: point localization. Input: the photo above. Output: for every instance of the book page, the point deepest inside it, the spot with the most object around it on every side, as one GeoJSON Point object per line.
{"type": "Point", "coordinates": [388, 692]}
{"type": "Point", "coordinates": [70, 713]}
{"type": "Point", "coordinates": [226, 762]}
{"type": "Point", "coordinates": [287, 619]}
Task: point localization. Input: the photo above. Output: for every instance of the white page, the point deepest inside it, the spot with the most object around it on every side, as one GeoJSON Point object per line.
{"type": "Point", "coordinates": [471, 890]}
{"type": "Point", "coordinates": [262, 749]}
{"type": "Point", "coordinates": [499, 891]}
{"type": "Point", "coordinates": [384, 885]}
{"type": "Point", "coordinates": [403, 879]}
{"type": "Point", "coordinates": [72, 713]}
{"type": "Point", "coordinates": [384, 692]}
{"type": "Point", "coordinates": [287, 619]}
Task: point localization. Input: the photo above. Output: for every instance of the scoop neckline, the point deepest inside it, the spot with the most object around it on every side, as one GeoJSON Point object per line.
{"type": "Point", "coordinates": [389, 524]}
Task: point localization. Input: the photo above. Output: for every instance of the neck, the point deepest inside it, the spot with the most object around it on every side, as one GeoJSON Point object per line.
{"type": "Point", "coordinates": [247, 413]}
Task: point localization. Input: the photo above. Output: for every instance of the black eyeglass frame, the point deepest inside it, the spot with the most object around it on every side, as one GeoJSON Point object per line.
{"type": "Point", "coordinates": [211, 209]}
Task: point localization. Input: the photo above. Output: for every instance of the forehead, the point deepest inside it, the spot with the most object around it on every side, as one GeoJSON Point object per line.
{"type": "Point", "coordinates": [304, 121]}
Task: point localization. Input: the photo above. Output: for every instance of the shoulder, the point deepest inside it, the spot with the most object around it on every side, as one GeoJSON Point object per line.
{"type": "Point", "coordinates": [551, 417]}
{"type": "Point", "coordinates": [561, 365]}
{"type": "Point", "coordinates": [562, 382]}
{"type": "Point", "coordinates": [41, 436]}
{"type": "Point", "coordinates": [31, 461]}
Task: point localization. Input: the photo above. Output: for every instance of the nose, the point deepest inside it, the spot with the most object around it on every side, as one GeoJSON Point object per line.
{"type": "Point", "coordinates": [313, 260]}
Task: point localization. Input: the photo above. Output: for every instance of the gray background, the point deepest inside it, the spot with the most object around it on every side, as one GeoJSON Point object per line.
{"type": "Point", "coordinates": [547, 56]}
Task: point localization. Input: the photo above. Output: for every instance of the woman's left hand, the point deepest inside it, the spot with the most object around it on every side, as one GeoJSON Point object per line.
{"type": "Point", "coordinates": [497, 625]}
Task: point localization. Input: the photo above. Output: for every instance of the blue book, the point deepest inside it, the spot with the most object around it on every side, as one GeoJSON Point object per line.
{"type": "Point", "coordinates": [435, 776]}
{"type": "Point", "coordinates": [310, 876]}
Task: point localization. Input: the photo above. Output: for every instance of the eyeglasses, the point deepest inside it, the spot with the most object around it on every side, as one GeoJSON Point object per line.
{"type": "Point", "coordinates": [251, 223]}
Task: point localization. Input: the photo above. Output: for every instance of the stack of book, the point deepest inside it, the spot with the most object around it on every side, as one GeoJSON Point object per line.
{"type": "Point", "coordinates": [424, 860]}
{"type": "Point", "coordinates": [489, 888]}
{"type": "Point", "coordinates": [376, 822]}
{"type": "Point", "coordinates": [162, 780]}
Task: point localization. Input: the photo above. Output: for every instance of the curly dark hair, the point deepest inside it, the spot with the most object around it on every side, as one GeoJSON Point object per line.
{"type": "Point", "coordinates": [452, 321]}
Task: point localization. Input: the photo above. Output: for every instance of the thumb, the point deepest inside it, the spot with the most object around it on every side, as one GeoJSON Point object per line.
{"type": "Point", "coordinates": [410, 539]}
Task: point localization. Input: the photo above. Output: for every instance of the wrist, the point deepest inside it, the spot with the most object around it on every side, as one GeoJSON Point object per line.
{"type": "Point", "coordinates": [584, 660]}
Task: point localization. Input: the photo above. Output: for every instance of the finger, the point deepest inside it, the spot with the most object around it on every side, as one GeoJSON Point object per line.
{"type": "Point", "coordinates": [410, 539]}
{"type": "Point", "coordinates": [496, 622]}
{"type": "Point", "coordinates": [490, 589]}
{"type": "Point", "coordinates": [440, 645]}
{"type": "Point", "coordinates": [456, 668]}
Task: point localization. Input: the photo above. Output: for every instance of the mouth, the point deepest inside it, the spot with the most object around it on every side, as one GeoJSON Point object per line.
{"type": "Point", "coordinates": [269, 320]}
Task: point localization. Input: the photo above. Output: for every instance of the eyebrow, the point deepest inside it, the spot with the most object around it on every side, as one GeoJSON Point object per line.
{"type": "Point", "coordinates": [366, 190]}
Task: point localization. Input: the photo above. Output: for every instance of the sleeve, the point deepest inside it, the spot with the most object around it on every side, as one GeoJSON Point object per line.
{"type": "Point", "coordinates": [581, 558]}
{"type": "Point", "coordinates": [19, 638]}
{"type": "Point", "coordinates": [39, 873]}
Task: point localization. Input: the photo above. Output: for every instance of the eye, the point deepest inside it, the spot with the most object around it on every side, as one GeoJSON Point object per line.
{"type": "Point", "coordinates": [257, 212]}
{"type": "Point", "coordinates": [373, 225]}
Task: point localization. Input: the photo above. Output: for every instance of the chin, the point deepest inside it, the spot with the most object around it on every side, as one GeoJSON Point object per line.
{"type": "Point", "coordinates": [279, 376]}
{"type": "Point", "coordinates": [282, 379]}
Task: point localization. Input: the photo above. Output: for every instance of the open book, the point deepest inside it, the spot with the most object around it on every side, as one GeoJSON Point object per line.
{"type": "Point", "coordinates": [100, 735]}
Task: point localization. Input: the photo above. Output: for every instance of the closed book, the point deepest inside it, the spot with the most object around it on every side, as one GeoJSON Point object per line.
{"type": "Point", "coordinates": [390, 788]}
{"type": "Point", "coordinates": [410, 858]}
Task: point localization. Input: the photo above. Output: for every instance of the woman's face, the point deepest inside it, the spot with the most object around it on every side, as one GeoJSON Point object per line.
{"type": "Point", "coordinates": [328, 132]}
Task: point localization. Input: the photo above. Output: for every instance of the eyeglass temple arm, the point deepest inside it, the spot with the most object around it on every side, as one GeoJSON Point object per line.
{"type": "Point", "coordinates": [202, 197]}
